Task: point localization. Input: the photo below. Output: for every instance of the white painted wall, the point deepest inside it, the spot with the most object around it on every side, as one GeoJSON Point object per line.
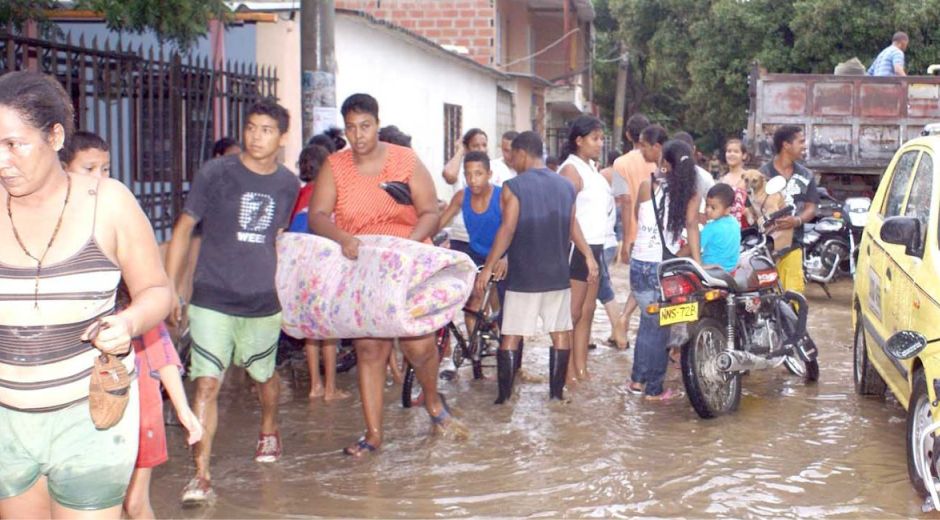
{"type": "Point", "coordinates": [411, 84]}
{"type": "Point", "coordinates": [278, 45]}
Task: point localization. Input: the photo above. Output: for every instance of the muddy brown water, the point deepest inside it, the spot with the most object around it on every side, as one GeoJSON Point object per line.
{"type": "Point", "coordinates": [790, 451]}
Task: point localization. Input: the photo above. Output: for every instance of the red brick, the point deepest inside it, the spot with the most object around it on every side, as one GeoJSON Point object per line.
{"type": "Point", "coordinates": [461, 22]}
{"type": "Point", "coordinates": [487, 32]}
{"type": "Point", "coordinates": [408, 23]}
{"type": "Point", "coordinates": [416, 13]}
{"type": "Point", "coordinates": [481, 42]}
{"type": "Point", "coordinates": [432, 33]}
{"type": "Point", "coordinates": [399, 14]}
{"type": "Point", "coordinates": [424, 23]}
{"type": "Point", "coordinates": [450, 13]}
{"type": "Point", "coordinates": [481, 22]}
{"type": "Point", "coordinates": [463, 42]}
{"type": "Point", "coordinates": [468, 13]}
{"type": "Point", "coordinates": [444, 23]}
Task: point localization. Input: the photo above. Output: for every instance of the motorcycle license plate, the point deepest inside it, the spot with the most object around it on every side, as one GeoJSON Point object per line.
{"type": "Point", "coordinates": [678, 314]}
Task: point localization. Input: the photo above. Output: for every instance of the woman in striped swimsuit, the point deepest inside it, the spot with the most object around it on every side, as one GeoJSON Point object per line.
{"type": "Point", "coordinates": [62, 254]}
{"type": "Point", "coordinates": [348, 188]}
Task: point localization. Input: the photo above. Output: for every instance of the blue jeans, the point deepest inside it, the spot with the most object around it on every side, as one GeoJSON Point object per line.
{"type": "Point", "coordinates": [605, 291]}
{"type": "Point", "coordinates": [651, 357]}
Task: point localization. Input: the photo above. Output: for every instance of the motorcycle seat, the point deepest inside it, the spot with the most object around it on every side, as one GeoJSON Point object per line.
{"type": "Point", "coordinates": [722, 277]}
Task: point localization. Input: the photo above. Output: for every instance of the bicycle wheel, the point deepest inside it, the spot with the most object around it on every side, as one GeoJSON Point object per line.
{"type": "Point", "coordinates": [410, 389]}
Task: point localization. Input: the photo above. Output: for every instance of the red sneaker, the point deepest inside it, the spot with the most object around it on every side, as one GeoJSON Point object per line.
{"type": "Point", "coordinates": [269, 447]}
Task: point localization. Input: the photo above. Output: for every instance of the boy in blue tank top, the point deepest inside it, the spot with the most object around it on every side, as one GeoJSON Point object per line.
{"type": "Point", "coordinates": [482, 215]}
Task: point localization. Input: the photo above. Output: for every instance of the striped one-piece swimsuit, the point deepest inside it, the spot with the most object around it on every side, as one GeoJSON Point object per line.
{"type": "Point", "coordinates": [44, 364]}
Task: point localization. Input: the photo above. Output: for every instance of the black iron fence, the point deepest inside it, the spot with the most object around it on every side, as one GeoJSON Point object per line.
{"type": "Point", "coordinates": [158, 111]}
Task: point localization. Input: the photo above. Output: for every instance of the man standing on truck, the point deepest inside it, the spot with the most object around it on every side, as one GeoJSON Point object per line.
{"type": "Point", "coordinates": [801, 192]}
{"type": "Point", "coordinates": [890, 61]}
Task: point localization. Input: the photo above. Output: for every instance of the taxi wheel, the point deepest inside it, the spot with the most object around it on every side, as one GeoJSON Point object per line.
{"type": "Point", "coordinates": [867, 379]}
{"type": "Point", "coordinates": [919, 419]}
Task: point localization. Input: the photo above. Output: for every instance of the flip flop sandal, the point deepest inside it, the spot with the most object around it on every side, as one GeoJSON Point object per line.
{"type": "Point", "coordinates": [362, 448]}
{"type": "Point", "coordinates": [438, 420]}
{"type": "Point", "coordinates": [635, 390]}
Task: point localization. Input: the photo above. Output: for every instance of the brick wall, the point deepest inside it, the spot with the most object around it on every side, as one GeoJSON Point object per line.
{"type": "Point", "coordinates": [467, 23]}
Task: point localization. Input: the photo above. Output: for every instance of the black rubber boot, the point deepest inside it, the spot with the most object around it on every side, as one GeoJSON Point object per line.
{"type": "Point", "coordinates": [557, 372]}
{"type": "Point", "coordinates": [517, 358]}
{"type": "Point", "coordinates": [505, 374]}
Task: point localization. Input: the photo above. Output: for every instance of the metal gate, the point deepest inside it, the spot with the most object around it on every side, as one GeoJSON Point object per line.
{"type": "Point", "coordinates": [157, 110]}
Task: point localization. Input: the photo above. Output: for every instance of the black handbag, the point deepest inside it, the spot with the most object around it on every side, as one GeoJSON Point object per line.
{"type": "Point", "coordinates": [667, 254]}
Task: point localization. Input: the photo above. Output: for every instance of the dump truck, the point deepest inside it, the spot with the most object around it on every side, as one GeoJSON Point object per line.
{"type": "Point", "coordinates": [853, 123]}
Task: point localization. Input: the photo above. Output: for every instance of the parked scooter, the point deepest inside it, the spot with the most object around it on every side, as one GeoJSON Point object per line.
{"type": "Point", "coordinates": [737, 323]}
{"type": "Point", "coordinates": [830, 244]}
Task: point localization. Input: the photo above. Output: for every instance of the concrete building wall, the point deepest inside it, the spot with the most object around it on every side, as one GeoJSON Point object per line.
{"type": "Point", "coordinates": [553, 62]}
{"type": "Point", "coordinates": [516, 36]}
{"type": "Point", "coordinates": [466, 23]}
{"type": "Point", "coordinates": [523, 108]}
{"type": "Point", "coordinates": [412, 82]}
{"type": "Point", "coordinates": [279, 46]}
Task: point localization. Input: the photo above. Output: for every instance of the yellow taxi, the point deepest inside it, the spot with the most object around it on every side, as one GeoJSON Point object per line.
{"type": "Point", "coordinates": [897, 288]}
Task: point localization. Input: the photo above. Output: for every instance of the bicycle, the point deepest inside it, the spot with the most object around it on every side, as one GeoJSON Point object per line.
{"type": "Point", "coordinates": [483, 342]}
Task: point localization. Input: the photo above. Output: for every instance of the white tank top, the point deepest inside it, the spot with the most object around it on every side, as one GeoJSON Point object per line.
{"type": "Point", "coordinates": [648, 247]}
{"type": "Point", "coordinates": [594, 203]}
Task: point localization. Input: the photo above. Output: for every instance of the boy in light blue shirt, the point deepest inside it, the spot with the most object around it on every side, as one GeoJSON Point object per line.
{"type": "Point", "coordinates": [721, 236]}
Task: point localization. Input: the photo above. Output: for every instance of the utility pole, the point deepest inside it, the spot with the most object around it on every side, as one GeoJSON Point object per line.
{"type": "Point", "coordinates": [620, 98]}
{"type": "Point", "coordinates": [318, 65]}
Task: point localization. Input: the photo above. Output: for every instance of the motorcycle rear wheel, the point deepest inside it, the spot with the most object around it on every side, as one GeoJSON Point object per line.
{"type": "Point", "coordinates": [711, 391]}
{"type": "Point", "coordinates": [809, 371]}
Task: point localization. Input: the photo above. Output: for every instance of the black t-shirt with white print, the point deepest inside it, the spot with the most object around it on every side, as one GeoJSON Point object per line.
{"type": "Point", "coordinates": [241, 213]}
{"type": "Point", "coordinates": [801, 188]}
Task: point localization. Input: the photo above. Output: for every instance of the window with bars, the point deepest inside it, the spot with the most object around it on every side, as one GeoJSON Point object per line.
{"type": "Point", "coordinates": [453, 115]}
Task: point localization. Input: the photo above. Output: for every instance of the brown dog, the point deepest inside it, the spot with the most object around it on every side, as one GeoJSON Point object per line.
{"type": "Point", "coordinates": [763, 204]}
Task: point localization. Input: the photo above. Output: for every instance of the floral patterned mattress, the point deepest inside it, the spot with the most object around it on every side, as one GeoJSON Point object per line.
{"type": "Point", "coordinates": [396, 288]}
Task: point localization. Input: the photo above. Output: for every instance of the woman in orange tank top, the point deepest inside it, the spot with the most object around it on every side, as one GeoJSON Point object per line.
{"type": "Point", "coordinates": [348, 189]}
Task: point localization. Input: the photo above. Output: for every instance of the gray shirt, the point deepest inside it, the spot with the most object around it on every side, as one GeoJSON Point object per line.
{"type": "Point", "coordinates": [241, 213]}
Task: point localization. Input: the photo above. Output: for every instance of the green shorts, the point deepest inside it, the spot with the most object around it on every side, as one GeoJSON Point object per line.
{"type": "Point", "coordinates": [87, 469]}
{"type": "Point", "coordinates": [220, 339]}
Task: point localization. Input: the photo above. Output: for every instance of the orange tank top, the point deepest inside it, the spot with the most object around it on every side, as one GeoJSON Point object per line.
{"type": "Point", "coordinates": [362, 206]}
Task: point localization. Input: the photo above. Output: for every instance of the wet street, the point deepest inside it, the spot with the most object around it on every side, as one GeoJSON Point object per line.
{"type": "Point", "coordinates": [790, 451]}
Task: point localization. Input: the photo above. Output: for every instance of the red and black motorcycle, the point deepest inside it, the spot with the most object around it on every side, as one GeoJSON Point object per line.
{"type": "Point", "coordinates": [737, 322]}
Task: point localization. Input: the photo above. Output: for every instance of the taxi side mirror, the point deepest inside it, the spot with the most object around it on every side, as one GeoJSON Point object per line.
{"type": "Point", "coordinates": [905, 344]}
{"type": "Point", "coordinates": [903, 231]}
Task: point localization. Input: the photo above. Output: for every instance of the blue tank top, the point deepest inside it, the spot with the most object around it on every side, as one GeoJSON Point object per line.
{"type": "Point", "coordinates": [538, 254]}
{"type": "Point", "coordinates": [482, 226]}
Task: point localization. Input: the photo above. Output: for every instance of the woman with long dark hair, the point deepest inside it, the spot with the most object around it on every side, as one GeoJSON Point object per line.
{"type": "Point", "coordinates": [667, 205]}
{"type": "Point", "coordinates": [735, 157]}
{"type": "Point", "coordinates": [593, 206]}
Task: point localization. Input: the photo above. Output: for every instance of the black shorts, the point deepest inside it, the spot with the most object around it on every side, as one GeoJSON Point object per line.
{"type": "Point", "coordinates": [477, 259]}
{"type": "Point", "coordinates": [579, 270]}
{"type": "Point", "coordinates": [460, 245]}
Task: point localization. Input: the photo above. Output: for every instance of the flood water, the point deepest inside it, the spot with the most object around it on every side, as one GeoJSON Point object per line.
{"type": "Point", "coordinates": [790, 451]}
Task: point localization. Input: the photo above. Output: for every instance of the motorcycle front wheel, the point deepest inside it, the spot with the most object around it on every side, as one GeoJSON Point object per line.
{"type": "Point", "coordinates": [711, 391]}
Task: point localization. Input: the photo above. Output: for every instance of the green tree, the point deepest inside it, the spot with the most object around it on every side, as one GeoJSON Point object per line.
{"type": "Point", "coordinates": [179, 22]}
{"type": "Point", "coordinates": [690, 59]}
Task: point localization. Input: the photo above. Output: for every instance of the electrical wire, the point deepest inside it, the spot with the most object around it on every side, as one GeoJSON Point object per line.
{"type": "Point", "coordinates": [543, 50]}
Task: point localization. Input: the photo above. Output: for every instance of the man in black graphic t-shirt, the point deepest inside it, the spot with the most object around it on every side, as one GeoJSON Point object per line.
{"type": "Point", "coordinates": [242, 202]}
